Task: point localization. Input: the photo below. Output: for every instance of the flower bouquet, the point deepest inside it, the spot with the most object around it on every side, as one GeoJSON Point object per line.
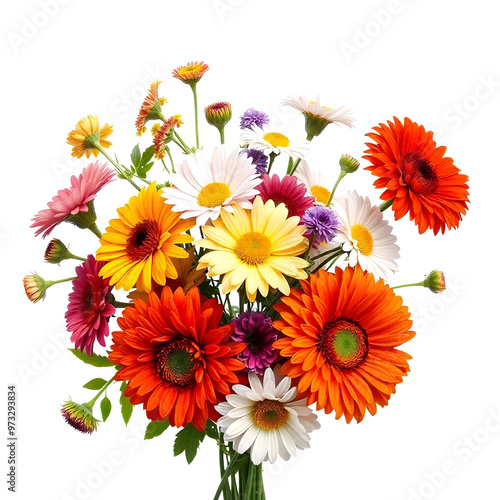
{"type": "Point", "coordinates": [234, 324]}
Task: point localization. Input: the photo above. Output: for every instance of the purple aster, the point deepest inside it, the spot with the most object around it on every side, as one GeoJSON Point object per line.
{"type": "Point", "coordinates": [257, 331]}
{"type": "Point", "coordinates": [259, 160]}
{"type": "Point", "coordinates": [322, 223]}
{"type": "Point", "coordinates": [253, 117]}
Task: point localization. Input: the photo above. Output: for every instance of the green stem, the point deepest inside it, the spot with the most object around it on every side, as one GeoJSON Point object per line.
{"type": "Point", "coordinates": [311, 241]}
{"type": "Point", "coordinates": [179, 138]}
{"type": "Point", "coordinates": [181, 146]}
{"type": "Point", "coordinates": [225, 477]}
{"type": "Point", "coordinates": [272, 156]}
{"type": "Point", "coordinates": [260, 483]}
{"type": "Point", "coordinates": [167, 149]}
{"type": "Point", "coordinates": [222, 471]}
{"type": "Point", "coordinates": [117, 303]}
{"type": "Point", "coordinates": [195, 97]}
{"type": "Point", "coordinates": [95, 230]}
{"type": "Point", "coordinates": [294, 167]}
{"type": "Point", "coordinates": [385, 205]}
{"type": "Point", "coordinates": [117, 167]}
{"type": "Point", "coordinates": [334, 250]}
{"type": "Point", "coordinates": [72, 256]}
{"type": "Point", "coordinates": [250, 489]}
{"type": "Point", "coordinates": [91, 403]}
{"type": "Point", "coordinates": [165, 166]}
{"type": "Point", "coordinates": [411, 284]}
{"type": "Point", "coordinates": [221, 131]}
{"type": "Point", "coordinates": [60, 281]}
{"type": "Point", "coordinates": [342, 174]}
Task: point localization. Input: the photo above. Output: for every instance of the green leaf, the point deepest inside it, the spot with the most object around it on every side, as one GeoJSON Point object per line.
{"type": "Point", "coordinates": [94, 360]}
{"type": "Point", "coordinates": [144, 169]}
{"type": "Point", "coordinates": [127, 406]}
{"type": "Point", "coordinates": [188, 441]}
{"type": "Point", "coordinates": [156, 428]}
{"type": "Point", "coordinates": [212, 431]}
{"type": "Point", "coordinates": [147, 155]}
{"type": "Point", "coordinates": [95, 384]}
{"type": "Point", "coordinates": [136, 156]}
{"type": "Point", "coordinates": [105, 408]}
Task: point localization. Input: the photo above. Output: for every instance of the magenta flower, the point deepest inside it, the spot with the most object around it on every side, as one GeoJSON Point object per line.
{"type": "Point", "coordinates": [89, 307]}
{"type": "Point", "coordinates": [74, 204]}
{"type": "Point", "coordinates": [257, 331]}
{"type": "Point", "coordinates": [288, 190]}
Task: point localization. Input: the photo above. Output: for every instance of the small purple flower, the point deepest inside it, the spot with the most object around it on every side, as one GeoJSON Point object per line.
{"type": "Point", "coordinates": [259, 160]}
{"type": "Point", "coordinates": [257, 331]}
{"type": "Point", "coordinates": [253, 117]}
{"type": "Point", "coordinates": [322, 223]}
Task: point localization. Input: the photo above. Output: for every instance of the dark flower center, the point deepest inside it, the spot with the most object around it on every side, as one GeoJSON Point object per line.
{"type": "Point", "coordinates": [343, 343]}
{"type": "Point", "coordinates": [418, 173]}
{"type": "Point", "coordinates": [269, 414]}
{"type": "Point", "coordinates": [174, 364]}
{"type": "Point", "coordinates": [143, 240]}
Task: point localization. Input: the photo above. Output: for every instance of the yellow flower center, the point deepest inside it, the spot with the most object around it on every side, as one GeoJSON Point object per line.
{"type": "Point", "coordinates": [213, 195]}
{"type": "Point", "coordinates": [187, 70]}
{"type": "Point", "coordinates": [363, 237]}
{"type": "Point", "coordinates": [321, 194]}
{"type": "Point", "coordinates": [253, 248]}
{"type": "Point", "coordinates": [277, 140]}
{"type": "Point", "coordinates": [269, 414]}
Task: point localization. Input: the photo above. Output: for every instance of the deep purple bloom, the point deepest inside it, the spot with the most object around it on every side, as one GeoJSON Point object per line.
{"type": "Point", "coordinates": [259, 160]}
{"type": "Point", "coordinates": [322, 223]}
{"type": "Point", "coordinates": [257, 331]}
{"type": "Point", "coordinates": [253, 117]}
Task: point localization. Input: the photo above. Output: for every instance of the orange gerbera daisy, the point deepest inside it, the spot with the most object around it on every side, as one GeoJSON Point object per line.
{"type": "Point", "coordinates": [139, 246]}
{"type": "Point", "coordinates": [340, 335]}
{"type": "Point", "coordinates": [179, 362]}
{"type": "Point", "coordinates": [417, 176]}
{"type": "Point", "coordinates": [191, 72]}
{"type": "Point", "coordinates": [150, 109]}
{"type": "Point", "coordinates": [87, 136]}
{"type": "Point", "coordinates": [187, 277]}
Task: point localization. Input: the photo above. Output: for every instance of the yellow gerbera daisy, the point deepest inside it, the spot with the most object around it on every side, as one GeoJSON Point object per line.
{"type": "Point", "coordinates": [259, 246]}
{"type": "Point", "coordinates": [87, 135]}
{"type": "Point", "coordinates": [139, 246]}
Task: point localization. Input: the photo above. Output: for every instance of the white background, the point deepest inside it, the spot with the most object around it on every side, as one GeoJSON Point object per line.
{"type": "Point", "coordinates": [433, 61]}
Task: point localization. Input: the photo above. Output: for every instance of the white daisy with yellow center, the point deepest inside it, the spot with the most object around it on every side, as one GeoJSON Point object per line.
{"type": "Point", "coordinates": [317, 183]}
{"type": "Point", "coordinates": [270, 141]}
{"type": "Point", "coordinates": [366, 235]}
{"type": "Point", "coordinates": [265, 419]}
{"type": "Point", "coordinates": [339, 115]}
{"type": "Point", "coordinates": [203, 187]}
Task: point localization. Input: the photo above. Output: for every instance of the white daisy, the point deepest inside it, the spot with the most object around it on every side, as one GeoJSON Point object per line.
{"type": "Point", "coordinates": [203, 187]}
{"type": "Point", "coordinates": [265, 418]}
{"type": "Point", "coordinates": [366, 235]}
{"type": "Point", "coordinates": [314, 108]}
{"type": "Point", "coordinates": [318, 184]}
{"type": "Point", "coordinates": [270, 141]}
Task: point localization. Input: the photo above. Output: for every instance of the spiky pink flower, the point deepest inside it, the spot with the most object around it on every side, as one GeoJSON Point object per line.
{"type": "Point", "coordinates": [74, 204]}
{"type": "Point", "coordinates": [89, 308]}
{"type": "Point", "coordinates": [288, 190]}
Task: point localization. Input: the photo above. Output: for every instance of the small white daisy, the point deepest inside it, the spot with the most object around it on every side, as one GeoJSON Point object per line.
{"type": "Point", "coordinates": [318, 184]}
{"type": "Point", "coordinates": [203, 187]}
{"type": "Point", "coordinates": [271, 141]}
{"type": "Point", "coordinates": [340, 115]}
{"type": "Point", "coordinates": [366, 235]}
{"type": "Point", "coordinates": [265, 419]}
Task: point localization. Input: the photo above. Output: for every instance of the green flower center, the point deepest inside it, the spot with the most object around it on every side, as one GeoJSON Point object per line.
{"type": "Point", "coordinates": [175, 365]}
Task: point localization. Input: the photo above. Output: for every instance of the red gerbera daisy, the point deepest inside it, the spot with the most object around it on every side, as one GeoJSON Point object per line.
{"type": "Point", "coordinates": [179, 361]}
{"type": "Point", "coordinates": [340, 335]}
{"type": "Point", "coordinates": [288, 190]}
{"type": "Point", "coordinates": [89, 308]}
{"type": "Point", "coordinates": [417, 176]}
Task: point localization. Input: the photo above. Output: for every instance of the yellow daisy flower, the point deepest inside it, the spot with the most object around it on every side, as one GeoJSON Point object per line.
{"type": "Point", "coordinates": [139, 246]}
{"type": "Point", "coordinates": [87, 135]}
{"type": "Point", "coordinates": [259, 246]}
